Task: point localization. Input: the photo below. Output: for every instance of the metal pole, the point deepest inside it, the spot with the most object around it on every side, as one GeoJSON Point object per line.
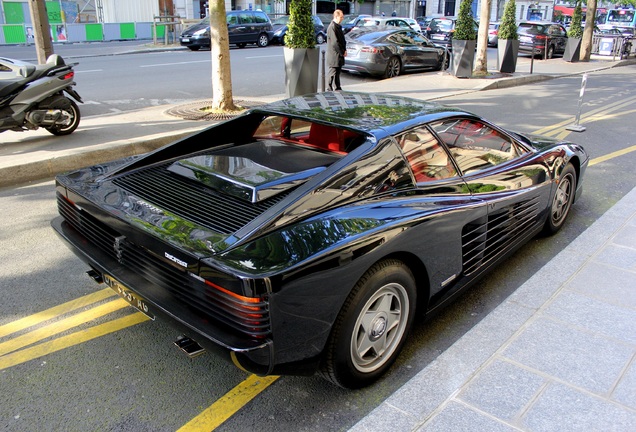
{"type": "Point", "coordinates": [323, 70]}
{"type": "Point", "coordinates": [576, 127]}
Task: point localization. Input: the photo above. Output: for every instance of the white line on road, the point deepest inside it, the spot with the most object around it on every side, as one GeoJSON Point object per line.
{"type": "Point", "coordinates": [175, 64]}
{"type": "Point", "coordinates": [90, 70]}
{"type": "Point", "coordinates": [268, 56]}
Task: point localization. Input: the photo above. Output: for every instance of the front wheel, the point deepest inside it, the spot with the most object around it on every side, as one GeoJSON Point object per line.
{"type": "Point", "coordinates": [263, 40]}
{"type": "Point", "coordinates": [70, 121]}
{"type": "Point", "coordinates": [562, 200]}
{"type": "Point", "coordinates": [371, 327]}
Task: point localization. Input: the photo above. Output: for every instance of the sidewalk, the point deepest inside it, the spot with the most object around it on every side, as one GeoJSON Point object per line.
{"type": "Point", "coordinates": [558, 354]}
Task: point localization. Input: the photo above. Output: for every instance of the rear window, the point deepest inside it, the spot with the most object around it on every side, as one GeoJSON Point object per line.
{"type": "Point", "coordinates": [366, 37]}
{"type": "Point", "coordinates": [532, 29]}
{"type": "Point", "coordinates": [444, 25]}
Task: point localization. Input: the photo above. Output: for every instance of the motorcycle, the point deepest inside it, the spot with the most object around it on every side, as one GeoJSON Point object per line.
{"type": "Point", "coordinates": [33, 96]}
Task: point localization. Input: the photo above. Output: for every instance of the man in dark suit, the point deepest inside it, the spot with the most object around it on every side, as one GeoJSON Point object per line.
{"type": "Point", "coordinates": [336, 50]}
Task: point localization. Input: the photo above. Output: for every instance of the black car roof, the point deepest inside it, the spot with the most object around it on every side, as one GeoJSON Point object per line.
{"type": "Point", "coordinates": [366, 112]}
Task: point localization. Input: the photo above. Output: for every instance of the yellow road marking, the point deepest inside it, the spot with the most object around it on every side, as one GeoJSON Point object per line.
{"type": "Point", "coordinates": [53, 312]}
{"type": "Point", "coordinates": [229, 404]}
{"type": "Point", "coordinates": [70, 340]}
{"type": "Point", "coordinates": [612, 155]}
{"type": "Point", "coordinates": [61, 326]}
{"type": "Point", "coordinates": [557, 128]}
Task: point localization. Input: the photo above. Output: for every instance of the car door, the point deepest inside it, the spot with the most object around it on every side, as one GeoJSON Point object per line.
{"type": "Point", "coordinates": [509, 181]}
{"type": "Point", "coordinates": [428, 52]}
{"type": "Point", "coordinates": [248, 24]}
{"type": "Point", "coordinates": [561, 36]}
{"type": "Point", "coordinates": [234, 28]}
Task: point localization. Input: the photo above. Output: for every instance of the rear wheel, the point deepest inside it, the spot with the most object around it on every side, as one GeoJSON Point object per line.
{"type": "Point", "coordinates": [562, 200]}
{"type": "Point", "coordinates": [550, 52]}
{"type": "Point", "coordinates": [71, 120]}
{"type": "Point", "coordinates": [263, 40]}
{"type": "Point", "coordinates": [393, 68]}
{"type": "Point", "coordinates": [371, 327]}
{"type": "Point", "coordinates": [194, 48]}
{"type": "Point", "coordinates": [241, 45]}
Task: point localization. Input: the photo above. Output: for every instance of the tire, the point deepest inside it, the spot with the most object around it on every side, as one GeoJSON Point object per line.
{"type": "Point", "coordinates": [263, 40]}
{"type": "Point", "coordinates": [561, 201]}
{"type": "Point", "coordinates": [550, 52]}
{"type": "Point", "coordinates": [393, 68]}
{"type": "Point", "coordinates": [194, 48]}
{"type": "Point", "coordinates": [372, 326]}
{"type": "Point", "coordinates": [67, 129]}
{"type": "Point", "coordinates": [320, 38]}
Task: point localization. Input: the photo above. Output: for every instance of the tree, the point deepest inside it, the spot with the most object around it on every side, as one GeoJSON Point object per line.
{"type": "Point", "coordinates": [588, 33]}
{"type": "Point", "coordinates": [41, 30]}
{"type": "Point", "coordinates": [481, 62]}
{"type": "Point", "coordinates": [222, 99]}
{"type": "Point", "coordinates": [508, 27]}
{"type": "Point", "coordinates": [575, 30]}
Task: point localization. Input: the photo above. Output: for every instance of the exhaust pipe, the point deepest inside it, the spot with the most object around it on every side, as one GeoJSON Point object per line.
{"type": "Point", "coordinates": [96, 276]}
{"type": "Point", "coordinates": [190, 347]}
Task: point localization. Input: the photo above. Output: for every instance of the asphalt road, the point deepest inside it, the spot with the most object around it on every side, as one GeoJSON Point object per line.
{"type": "Point", "coordinates": [133, 379]}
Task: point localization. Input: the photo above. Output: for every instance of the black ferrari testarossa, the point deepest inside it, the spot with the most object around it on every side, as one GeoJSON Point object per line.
{"type": "Point", "coordinates": [306, 234]}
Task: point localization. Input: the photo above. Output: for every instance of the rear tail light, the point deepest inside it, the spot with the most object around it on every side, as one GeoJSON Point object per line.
{"type": "Point", "coordinates": [370, 50]}
{"type": "Point", "coordinates": [541, 37]}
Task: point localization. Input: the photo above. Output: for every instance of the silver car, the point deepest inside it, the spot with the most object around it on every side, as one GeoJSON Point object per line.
{"type": "Point", "coordinates": [389, 52]}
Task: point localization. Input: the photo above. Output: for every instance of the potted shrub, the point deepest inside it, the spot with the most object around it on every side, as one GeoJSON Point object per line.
{"type": "Point", "coordinates": [508, 43]}
{"type": "Point", "coordinates": [575, 34]}
{"type": "Point", "coordinates": [464, 42]}
{"type": "Point", "coordinates": [302, 58]}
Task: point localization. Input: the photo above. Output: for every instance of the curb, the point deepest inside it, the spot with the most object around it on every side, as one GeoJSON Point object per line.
{"type": "Point", "coordinates": [106, 152]}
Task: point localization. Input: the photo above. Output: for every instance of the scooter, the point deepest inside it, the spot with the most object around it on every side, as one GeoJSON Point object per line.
{"type": "Point", "coordinates": [32, 96]}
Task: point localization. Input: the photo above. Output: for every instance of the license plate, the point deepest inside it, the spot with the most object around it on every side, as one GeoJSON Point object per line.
{"type": "Point", "coordinates": [185, 40]}
{"type": "Point", "coordinates": [437, 37]}
{"type": "Point", "coordinates": [133, 299]}
{"type": "Point", "coordinates": [525, 39]}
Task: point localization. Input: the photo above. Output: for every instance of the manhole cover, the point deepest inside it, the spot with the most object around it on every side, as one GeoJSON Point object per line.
{"type": "Point", "coordinates": [199, 110]}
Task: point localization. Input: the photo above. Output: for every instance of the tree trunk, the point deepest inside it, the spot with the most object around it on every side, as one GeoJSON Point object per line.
{"type": "Point", "coordinates": [481, 61]}
{"type": "Point", "coordinates": [588, 33]}
{"type": "Point", "coordinates": [220, 48]}
{"type": "Point", "coordinates": [41, 32]}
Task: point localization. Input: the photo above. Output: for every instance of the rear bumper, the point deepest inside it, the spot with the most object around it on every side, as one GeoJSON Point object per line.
{"type": "Point", "coordinates": [250, 355]}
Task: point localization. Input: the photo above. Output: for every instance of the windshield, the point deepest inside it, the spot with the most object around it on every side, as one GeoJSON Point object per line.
{"type": "Point", "coordinates": [281, 20]}
{"type": "Point", "coordinates": [620, 16]}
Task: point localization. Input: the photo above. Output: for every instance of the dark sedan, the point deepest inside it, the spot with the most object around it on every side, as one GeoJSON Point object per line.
{"type": "Point", "coordinates": [390, 52]}
{"type": "Point", "coordinates": [307, 234]}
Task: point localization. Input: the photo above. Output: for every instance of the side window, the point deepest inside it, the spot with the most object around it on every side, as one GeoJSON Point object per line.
{"type": "Point", "coordinates": [260, 18]}
{"type": "Point", "coordinates": [427, 158]}
{"type": "Point", "coordinates": [475, 145]}
{"type": "Point", "coordinates": [245, 18]}
{"type": "Point", "coordinates": [232, 19]}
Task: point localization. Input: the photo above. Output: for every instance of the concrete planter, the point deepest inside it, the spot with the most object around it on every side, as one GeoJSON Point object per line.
{"type": "Point", "coordinates": [463, 58]}
{"type": "Point", "coordinates": [507, 54]}
{"type": "Point", "coordinates": [572, 50]}
{"type": "Point", "coordinates": [301, 70]}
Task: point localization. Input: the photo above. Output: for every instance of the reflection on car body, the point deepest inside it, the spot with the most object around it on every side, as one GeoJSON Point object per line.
{"type": "Point", "coordinates": [306, 235]}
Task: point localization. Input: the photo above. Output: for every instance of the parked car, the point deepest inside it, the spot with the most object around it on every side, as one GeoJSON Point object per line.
{"type": "Point", "coordinates": [423, 22]}
{"type": "Point", "coordinates": [389, 52]}
{"type": "Point", "coordinates": [244, 27]}
{"type": "Point", "coordinates": [280, 29]}
{"type": "Point", "coordinates": [413, 23]}
{"type": "Point", "coordinates": [383, 22]}
{"type": "Point", "coordinates": [440, 30]}
{"type": "Point", "coordinates": [493, 34]}
{"type": "Point", "coordinates": [307, 234]}
{"type": "Point", "coordinates": [351, 21]}
{"type": "Point", "coordinates": [542, 38]}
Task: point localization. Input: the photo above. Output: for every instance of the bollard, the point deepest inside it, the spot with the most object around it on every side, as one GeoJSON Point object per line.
{"type": "Point", "coordinates": [576, 127]}
{"type": "Point", "coordinates": [323, 70]}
